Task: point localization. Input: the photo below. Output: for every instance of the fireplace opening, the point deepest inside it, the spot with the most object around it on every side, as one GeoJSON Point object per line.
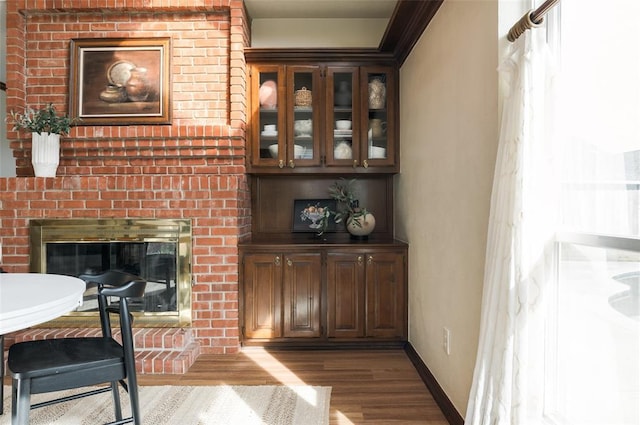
{"type": "Point", "coordinates": [158, 251]}
{"type": "Point", "coordinates": [155, 262]}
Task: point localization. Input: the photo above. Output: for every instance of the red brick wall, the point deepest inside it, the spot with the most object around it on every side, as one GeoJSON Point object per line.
{"type": "Point", "coordinates": [192, 168]}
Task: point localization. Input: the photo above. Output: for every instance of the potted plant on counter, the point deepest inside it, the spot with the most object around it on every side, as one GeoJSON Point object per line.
{"type": "Point", "coordinates": [359, 222]}
{"type": "Point", "coordinates": [46, 127]}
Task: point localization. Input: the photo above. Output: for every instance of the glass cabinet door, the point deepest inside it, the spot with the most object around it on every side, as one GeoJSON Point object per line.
{"type": "Point", "coordinates": [268, 127]}
{"type": "Point", "coordinates": [304, 99]}
{"type": "Point", "coordinates": [378, 120]}
{"type": "Point", "coordinates": [342, 124]}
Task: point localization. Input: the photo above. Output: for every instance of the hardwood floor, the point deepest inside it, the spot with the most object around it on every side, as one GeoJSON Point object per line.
{"type": "Point", "coordinates": [368, 387]}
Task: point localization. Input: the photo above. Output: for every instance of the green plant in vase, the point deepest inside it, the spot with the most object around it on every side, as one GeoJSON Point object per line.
{"type": "Point", "coordinates": [46, 126]}
{"type": "Point", "coordinates": [359, 222]}
{"type": "Point", "coordinates": [45, 120]}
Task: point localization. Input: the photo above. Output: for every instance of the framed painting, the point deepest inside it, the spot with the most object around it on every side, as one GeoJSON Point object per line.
{"type": "Point", "coordinates": [308, 214]}
{"type": "Point", "coordinates": [120, 81]}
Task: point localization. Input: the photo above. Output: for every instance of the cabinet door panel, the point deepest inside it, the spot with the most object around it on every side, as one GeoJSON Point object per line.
{"type": "Point", "coordinates": [267, 134]}
{"type": "Point", "coordinates": [385, 295]}
{"type": "Point", "coordinates": [304, 96]}
{"type": "Point", "coordinates": [342, 120]}
{"type": "Point", "coordinates": [302, 295]}
{"type": "Point", "coordinates": [345, 295]}
{"type": "Point", "coordinates": [378, 132]}
{"type": "Point", "coordinates": [262, 296]}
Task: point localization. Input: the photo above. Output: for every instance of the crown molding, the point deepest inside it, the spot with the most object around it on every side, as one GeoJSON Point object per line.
{"type": "Point", "coordinates": [409, 20]}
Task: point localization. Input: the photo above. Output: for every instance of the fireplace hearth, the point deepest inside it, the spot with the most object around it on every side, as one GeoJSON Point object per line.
{"type": "Point", "coordinates": [157, 250]}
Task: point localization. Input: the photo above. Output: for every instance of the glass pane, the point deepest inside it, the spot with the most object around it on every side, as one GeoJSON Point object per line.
{"type": "Point", "coordinates": [303, 115]}
{"type": "Point", "coordinates": [594, 378]}
{"type": "Point", "coordinates": [598, 118]}
{"type": "Point", "coordinates": [377, 128]}
{"type": "Point", "coordinates": [343, 115]}
{"type": "Point", "coordinates": [268, 115]}
{"type": "Point", "coordinates": [153, 261]}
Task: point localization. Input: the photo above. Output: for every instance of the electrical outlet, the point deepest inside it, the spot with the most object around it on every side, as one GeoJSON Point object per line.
{"type": "Point", "coordinates": [446, 340]}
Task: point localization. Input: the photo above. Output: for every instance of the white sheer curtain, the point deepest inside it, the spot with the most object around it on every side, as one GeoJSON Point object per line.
{"type": "Point", "coordinates": [507, 382]}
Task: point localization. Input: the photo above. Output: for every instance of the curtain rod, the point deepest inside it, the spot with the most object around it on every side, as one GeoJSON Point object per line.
{"type": "Point", "coordinates": [531, 19]}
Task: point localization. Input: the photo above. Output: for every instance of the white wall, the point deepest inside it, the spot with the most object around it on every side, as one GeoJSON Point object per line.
{"type": "Point", "coordinates": [321, 33]}
{"type": "Point", "coordinates": [449, 133]}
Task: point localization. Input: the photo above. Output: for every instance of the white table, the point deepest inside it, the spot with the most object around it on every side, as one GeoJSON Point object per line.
{"type": "Point", "coordinates": [28, 299]}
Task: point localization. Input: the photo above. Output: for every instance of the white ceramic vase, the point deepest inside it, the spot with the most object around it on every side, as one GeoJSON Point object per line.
{"type": "Point", "coordinates": [45, 154]}
{"type": "Point", "coordinates": [366, 225]}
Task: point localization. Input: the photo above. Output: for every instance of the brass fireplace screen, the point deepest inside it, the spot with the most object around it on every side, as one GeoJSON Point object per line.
{"type": "Point", "coordinates": [156, 250]}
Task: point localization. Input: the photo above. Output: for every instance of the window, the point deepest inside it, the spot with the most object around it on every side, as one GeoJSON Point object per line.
{"type": "Point", "coordinates": [593, 350]}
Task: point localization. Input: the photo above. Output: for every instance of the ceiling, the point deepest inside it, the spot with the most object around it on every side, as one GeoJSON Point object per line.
{"type": "Point", "coordinates": [334, 9]}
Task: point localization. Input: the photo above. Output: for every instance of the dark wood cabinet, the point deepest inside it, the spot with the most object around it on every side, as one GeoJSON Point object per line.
{"type": "Point", "coordinates": [385, 288]}
{"type": "Point", "coordinates": [306, 138]}
{"type": "Point", "coordinates": [262, 295]}
{"type": "Point", "coordinates": [345, 295]}
{"type": "Point", "coordinates": [281, 295]}
{"type": "Point", "coordinates": [365, 294]}
{"type": "Point", "coordinates": [301, 298]}
{"type": "Point", "coordinates": [315, 116]}
{"type": "Point", "coordinates": [324, 295]}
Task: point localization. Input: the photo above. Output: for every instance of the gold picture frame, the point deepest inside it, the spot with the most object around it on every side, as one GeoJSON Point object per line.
{"type": "Point", "coordinates": [120, 81]}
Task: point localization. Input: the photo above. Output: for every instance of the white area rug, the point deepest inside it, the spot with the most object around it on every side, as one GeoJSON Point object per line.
{"type": "Point", "coordinates": [215, 405]}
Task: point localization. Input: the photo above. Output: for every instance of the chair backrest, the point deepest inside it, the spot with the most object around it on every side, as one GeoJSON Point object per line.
{"type": "Point", "coordinates": [135, 288]}
{"type": "Point", "coordinates": [114, 283]}
{"type": "Point", "coordinates": [110, 277]}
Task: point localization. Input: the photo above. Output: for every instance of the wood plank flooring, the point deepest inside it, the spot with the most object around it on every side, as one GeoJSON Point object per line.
{"type": "Point", "coordinates": [368, 387]}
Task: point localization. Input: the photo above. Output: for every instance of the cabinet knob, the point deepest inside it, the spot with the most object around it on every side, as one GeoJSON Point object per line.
{"type": "Point", "coordinates": [370, 259]}
{"type": "Point", "coordinates": [359, 259]}
{"type": "Point", "coordinates": [355, 163]}
{"type": "Point", "coordinates": [365, 163]}
{"type": "Point", "coordinates": [289, 262]}
{"type": "Point", "coordinates": [277, 260]}
{"type": "Point", "coordinates": [281, 164]}
{"type": "Point", "coordinates": [292, 164]}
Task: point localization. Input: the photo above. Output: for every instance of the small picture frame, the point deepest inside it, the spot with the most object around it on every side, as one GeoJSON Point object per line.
{"type": "Point", "coordinates": [307, 215]}
{"type": "Point", "coordinates": [120, 81]}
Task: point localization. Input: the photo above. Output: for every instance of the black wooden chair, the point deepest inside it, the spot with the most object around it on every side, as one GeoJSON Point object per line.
{"type": "Point", "coordinates": [59, 364]}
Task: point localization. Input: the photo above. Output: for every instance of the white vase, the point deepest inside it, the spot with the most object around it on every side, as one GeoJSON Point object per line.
{"type": "Point", "coordinates": [45, 154]}
{"type": "Point", "coordinates": [362, 230]}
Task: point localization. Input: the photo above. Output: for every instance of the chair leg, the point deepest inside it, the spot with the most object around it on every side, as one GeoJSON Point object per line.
{"type": "Point", "coordinates": [20, 401]}
{"type": "Point", "coordinates": [116, 400]}
{"type": "Point", "coordinates": [132, 384]}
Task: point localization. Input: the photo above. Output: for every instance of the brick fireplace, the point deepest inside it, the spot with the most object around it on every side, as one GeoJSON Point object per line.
{"type": "Point", "coordinates": [191, 169]}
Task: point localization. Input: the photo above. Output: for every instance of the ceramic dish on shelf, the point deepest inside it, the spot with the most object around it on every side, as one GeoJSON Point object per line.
{"type": "Point", "coordinates": [268, 94]}
{"type": "Point", "coordinates": [273, 150]}
{"type": "Point", "coordinates": [377, 152]}
{"type": "Point", "coordinates": [299, 151]}
{"type": "Point", "coordinates": [342, 151]}
{"type": "Point", "coordinates": [269, 133]}
{"type": "Point", "coordinates": [342, 132]}
{"type": "Point", "coordinates": [303, 127]}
